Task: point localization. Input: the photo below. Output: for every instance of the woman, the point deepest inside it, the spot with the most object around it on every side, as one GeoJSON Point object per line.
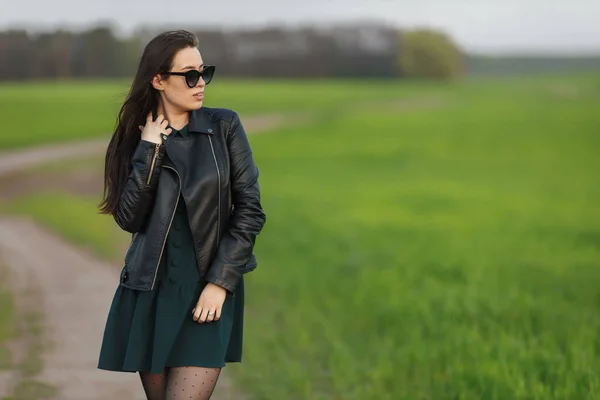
{"type": "Point", "coordinates": [182, 179]}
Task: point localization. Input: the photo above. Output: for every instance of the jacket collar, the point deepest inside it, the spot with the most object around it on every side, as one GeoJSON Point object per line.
{"type": "Point", "coordinates": [201, 121]}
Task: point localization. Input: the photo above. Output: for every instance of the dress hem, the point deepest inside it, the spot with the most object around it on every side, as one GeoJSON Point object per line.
{"type": "Point", "coordinates": [166, 366]}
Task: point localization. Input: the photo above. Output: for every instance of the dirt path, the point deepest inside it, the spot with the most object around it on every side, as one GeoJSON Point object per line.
{"type": "Point", "coordinates": [75, 293]}
{"type": "Point", "coordinates": [11, 161]}
{"type": "Point", "coordinates": [75, 289]}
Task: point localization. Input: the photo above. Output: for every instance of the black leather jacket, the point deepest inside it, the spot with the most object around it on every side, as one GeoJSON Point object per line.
{"type": "Point", "coordinates": [213, 168]}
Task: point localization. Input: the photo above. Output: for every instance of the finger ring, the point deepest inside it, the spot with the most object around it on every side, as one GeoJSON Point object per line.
{"type": "Point", "coordinates": [211, 313]}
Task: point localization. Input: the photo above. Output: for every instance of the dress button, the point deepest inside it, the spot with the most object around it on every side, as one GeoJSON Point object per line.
{"type": "Point", "coordinates": [176, 245]}
{"type": "Point", "coordinates": [173, 263]}
{"type": "Point", "coordinates": [125, 276]}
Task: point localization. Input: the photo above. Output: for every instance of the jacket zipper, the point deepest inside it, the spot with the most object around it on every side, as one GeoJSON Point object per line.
{"type": "Point", "coordinates": [156, 149]}
{"type": "Point", "coordinates": [219, 177]}
{"type": "Point", "coordinates": [169, 228]}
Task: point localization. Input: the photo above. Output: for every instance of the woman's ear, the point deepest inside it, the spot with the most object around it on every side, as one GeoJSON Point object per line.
{"type": "Point", "coordinates": [157, 82]}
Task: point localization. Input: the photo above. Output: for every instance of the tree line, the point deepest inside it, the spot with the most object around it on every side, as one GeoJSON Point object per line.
{"type": "Point", "coordinates": [356, 50]}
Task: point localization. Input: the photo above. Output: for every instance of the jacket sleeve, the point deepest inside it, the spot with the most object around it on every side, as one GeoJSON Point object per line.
{"type": "Point", "coordinates": [247, 219]}
{"type": "Point", "coordinates": [137, 198]}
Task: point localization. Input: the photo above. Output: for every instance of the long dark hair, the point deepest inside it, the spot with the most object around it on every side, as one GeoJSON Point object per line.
{"type": "Point", "coordinates": [141, 100]}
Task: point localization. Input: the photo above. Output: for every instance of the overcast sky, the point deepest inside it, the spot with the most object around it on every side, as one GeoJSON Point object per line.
{"type": "Point", "coordinates": [478, 25]}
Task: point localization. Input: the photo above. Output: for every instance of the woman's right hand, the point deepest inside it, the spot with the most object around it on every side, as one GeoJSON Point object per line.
{"type": "Point", "coordinates": [153, 129]}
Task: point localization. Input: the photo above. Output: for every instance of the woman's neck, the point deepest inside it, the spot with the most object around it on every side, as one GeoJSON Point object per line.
{"type": "Point", "coordinates": [177, 118]}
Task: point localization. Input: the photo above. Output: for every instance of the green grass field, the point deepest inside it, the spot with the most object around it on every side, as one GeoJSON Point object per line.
{"type": "Point", "coordinates": [39, 113]}
{"type": "Point", "coordinates": [447, 252]}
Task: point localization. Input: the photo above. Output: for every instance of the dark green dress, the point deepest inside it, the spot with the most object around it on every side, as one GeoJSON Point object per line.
{"type": "Point", "coordinates": [153, 330]}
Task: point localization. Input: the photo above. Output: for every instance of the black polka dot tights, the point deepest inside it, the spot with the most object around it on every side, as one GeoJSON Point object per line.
{"type": "Point", "coordinates": [182, 383]}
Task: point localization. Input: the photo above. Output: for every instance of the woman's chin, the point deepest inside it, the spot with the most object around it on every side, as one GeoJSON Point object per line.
{"type": "Point", "coordinates": [192, 106]}
{"type": "Point", "coordinates": [196, 104]}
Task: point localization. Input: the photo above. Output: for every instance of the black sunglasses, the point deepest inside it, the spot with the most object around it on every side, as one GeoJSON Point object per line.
{"type": "Point", "coordinates": [193, 76]}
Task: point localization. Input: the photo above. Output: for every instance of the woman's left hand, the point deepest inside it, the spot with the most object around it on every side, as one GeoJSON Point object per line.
{"type": "Point", "coordinates": [209, 304]}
